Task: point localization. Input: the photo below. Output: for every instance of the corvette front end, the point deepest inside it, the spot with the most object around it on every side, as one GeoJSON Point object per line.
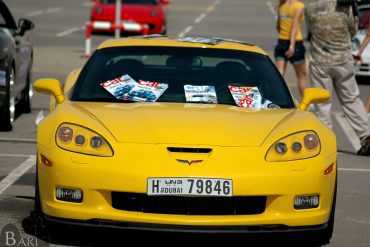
{"type": "Point", "coordinates": [189, 134]}
{"type": "Point", "coordinates": [115, 187]}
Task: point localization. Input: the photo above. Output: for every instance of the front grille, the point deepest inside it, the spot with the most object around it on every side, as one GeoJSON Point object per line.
{"type": "Point", "coordinates": [238, 205]}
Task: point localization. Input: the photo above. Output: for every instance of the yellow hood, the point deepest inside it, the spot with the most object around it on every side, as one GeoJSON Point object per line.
{"type": "Point", "coordinates": [188, 124]}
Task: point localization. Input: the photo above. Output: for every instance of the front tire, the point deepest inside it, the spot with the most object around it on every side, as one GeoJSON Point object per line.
{"type": "Point", "coordinates": [323, 237]}
{"type": "Point", "coordinates": [326, 234]}
{"type": "Point", "coordinates": [25, 103]}
{"type": "Point", "coordinates": [7, 112]}
{"type": "Point", "coordinates": [41, 226]}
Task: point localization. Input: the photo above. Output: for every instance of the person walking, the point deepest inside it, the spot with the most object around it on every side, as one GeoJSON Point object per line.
{"type": "Point", "coordinates": [332, 24]}
{"type": "Point", "coordinates": [290, 43]}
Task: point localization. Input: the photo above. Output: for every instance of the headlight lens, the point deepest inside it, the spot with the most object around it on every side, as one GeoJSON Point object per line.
{"type": "Point", "coordinates": [65, 134]}
{"type": "Point", "coordinates": [311, 141]}
{"type": "Point", "coordinates": [79, 139]}
{"type": "Point", "coordinates": [301, 145]}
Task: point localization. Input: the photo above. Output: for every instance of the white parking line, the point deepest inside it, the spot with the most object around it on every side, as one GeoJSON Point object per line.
{"type": "Point", "coordinates": [353, 170]}
{"type": "Point", "coordinates": [186, 30]}
{"type": "Point", "coordinates": [210, 8]}
{"type": "Point", "coordinates": [40, 12]}
{"type": "Point", "coordinates": [16, 155]}
{"type": "Point", "coordinates": [200, 18]}
{"type": "Point", "coordinates": [17, 140]}
{"type": "Point", "coordinates": [35, 13]}
{"type": "Point", "coordinates": [347, 129]}
{"type": "Point", "coordinates": [17, 173]}
{"type": "Point", "coordinates": [53, 10]}
{"type": "Point", "coordinates": [272, 9]}
{"type": "Point", "coordinates": [70, 31]}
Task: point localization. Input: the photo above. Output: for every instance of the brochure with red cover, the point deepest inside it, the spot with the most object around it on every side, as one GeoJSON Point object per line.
{"type": "Point", "coordinates": [246, 97]}
{"type": "Point", "coordinates": [120, 86]}
{"type": "Point", "coordinates": [146, 91]}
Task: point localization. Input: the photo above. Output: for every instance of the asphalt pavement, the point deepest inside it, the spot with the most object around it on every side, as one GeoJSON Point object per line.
{"type": "Point", "coordinates": [59, 47]}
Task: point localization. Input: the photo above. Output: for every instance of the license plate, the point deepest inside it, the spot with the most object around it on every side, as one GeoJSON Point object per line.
{"type": "Point", "coordinates": [190, 186]}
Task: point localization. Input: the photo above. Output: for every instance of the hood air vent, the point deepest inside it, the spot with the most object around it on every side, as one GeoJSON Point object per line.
{"type": "Point", "coordinates": [189, 150]}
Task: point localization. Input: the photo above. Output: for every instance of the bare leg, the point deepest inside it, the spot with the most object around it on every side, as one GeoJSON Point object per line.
{"type": "Point", "coordinates": [281, 66]}
{"type": "Point", "coordinates": [301, 73]}
{"type": "Point", "coordinates": [368, 104]}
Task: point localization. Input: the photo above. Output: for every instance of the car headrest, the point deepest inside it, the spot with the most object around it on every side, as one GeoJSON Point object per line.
{"type": "Point", "coordinates": [183, 62]}
{"type": "Point", "coordinates": [132, 67]}
{"type": "Point", "coordinates": [230, 71]}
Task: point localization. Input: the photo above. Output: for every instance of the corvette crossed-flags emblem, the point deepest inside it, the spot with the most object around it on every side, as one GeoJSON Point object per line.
{"type": "Point", "coordinates": [189, 162]}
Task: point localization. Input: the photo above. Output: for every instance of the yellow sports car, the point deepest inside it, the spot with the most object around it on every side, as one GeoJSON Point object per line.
{"type": "Point", "coordinates": [186, 134]}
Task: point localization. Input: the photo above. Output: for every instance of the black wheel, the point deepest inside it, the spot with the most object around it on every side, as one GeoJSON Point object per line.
{"type": "Point", "coordinates": [25, 103]}
{"type": "Point", "coordinates": [7, 112]}
{"type": "Point", "coordinates": [323, 237]}
{"type": "Point", "coordinates": [41, 226]}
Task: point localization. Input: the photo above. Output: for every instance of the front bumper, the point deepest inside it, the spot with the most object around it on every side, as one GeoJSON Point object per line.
{"type": "Point", "coordinates": [128, 171]}
{"type": "Point", "coordinates": [257, 229]}
{"type": "Point", "coordinates": [154, 27]}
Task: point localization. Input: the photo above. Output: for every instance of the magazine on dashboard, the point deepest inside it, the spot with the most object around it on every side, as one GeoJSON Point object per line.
{"type": "Point", "coordinates": [200, 94]}
{"type": "Point", "coordinates": [126, 88]}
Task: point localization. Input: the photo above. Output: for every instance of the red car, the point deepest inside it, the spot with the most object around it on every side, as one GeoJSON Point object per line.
{"type": "Point", "coordinates": [134, 15]}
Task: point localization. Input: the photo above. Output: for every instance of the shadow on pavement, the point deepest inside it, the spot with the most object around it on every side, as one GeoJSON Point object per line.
{"type": "Point", "coordinates": [77, 236]}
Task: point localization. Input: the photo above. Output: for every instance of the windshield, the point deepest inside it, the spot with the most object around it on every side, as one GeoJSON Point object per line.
{"type": "Point", "coordinates": [183, 75]}
{"type": "Point", "coordinates": [150, 2]}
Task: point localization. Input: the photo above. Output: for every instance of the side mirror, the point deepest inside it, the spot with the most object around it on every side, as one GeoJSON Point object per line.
{"type": "Point", "coordinates": [50, 86]}
{"type": "Point", "coordinates": [24, 25]}
{"type": "Point", "coordinates": [313, 96]}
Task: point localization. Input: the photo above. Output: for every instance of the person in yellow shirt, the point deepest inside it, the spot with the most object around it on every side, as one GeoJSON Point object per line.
{"type": "Point", "coordinates": [290, 43]}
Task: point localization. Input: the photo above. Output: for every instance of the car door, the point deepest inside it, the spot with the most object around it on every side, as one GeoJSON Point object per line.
{"type": "Point", "coordinates": [15, 48]}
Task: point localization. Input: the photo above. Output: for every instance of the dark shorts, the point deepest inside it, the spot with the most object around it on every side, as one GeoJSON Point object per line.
{"type": "Point", "coordinates": [283, 45]}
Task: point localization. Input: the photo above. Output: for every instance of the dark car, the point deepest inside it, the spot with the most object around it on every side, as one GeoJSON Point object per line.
{"type": "Point", "coordinates": [15, 67]}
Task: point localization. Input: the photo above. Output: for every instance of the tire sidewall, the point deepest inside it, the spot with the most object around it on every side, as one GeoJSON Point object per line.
{"type": "Point", "coordinates": [6, 124]}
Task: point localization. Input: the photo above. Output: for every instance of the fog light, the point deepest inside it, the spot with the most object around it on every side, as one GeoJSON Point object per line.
{"type": "Point", "coordinates": [69, 195]}
{"type": "Point", "coordinates": [297, 147]}
{"type": "Point", "coordinates": [96, 142]}
{"type": "Point", "coordinates": [306, 202]}
{"type": "Point", "coordinates": [281, 148]}
{"type": "Point", "coordinates": [80, 140]}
